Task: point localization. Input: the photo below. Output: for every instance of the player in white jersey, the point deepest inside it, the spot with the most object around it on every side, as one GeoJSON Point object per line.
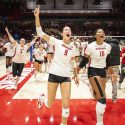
{"type": "Point", "coordinates": [19, 57]}
{"type": "Point", "coordinates": [38, 55]}
{"type": "Point", "coordinates": [98, 53]}
{"type": "Point", "coordinates": [77, 47]}
{"type": "Point", "coordinates": [83, 46]}
{"type": "Point", "coordinates": [59, 71]}
{"type": "Point", "coordinates": [10, 50]}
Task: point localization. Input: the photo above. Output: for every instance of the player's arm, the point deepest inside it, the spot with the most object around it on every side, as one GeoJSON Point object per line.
{"type": "Point", "coordinates": [39, 27]}
{"type": "Point", "coordinates": [32, 42]}
{"type": "Point", "coordinates": [10, 36]}
{"type": "Point", "coordinates": [83, 62]}
{"type": "Point", "coordinates": [74, 65]}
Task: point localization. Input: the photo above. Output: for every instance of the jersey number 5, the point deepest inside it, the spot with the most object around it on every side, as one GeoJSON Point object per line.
{"type": "Point", "coordinates": [66, 52]}
{"type": "Point", "coordinates": [102, 53]}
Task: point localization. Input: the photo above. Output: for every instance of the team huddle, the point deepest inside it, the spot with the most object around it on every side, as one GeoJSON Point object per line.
{"type": "Point", "coordinates": [61, 56]}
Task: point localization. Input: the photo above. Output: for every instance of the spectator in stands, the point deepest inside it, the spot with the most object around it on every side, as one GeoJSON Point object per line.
{"type": "Point", "coordinates": [122, 75]}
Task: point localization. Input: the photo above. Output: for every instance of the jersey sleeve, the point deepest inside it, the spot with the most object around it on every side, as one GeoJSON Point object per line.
{"type": "Point", "coordinates": [87, 50]}
{"type": "Point", "coordinates": [53, 40]}
{"type": "Point", "coordinates": [109, 49]}
{"type": "Point", "coordinates": [6, 45]}
{"type": "Point", "coordinates": [39, 31]}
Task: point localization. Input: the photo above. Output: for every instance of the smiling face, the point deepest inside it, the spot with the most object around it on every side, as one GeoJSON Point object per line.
{"type": "Point", "coordinates": [66, 33]}
{"type": "Point", "coordinates": [22, 41]}
{"type": "Point", "coordinates": [100, 35]}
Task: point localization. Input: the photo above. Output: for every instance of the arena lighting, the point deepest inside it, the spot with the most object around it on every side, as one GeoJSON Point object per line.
{"type": "Point", "coordinates": [40, 2]}
{"type": "Point", "coordinates": [38, 119]}
{"type": "Point", "coordinates": [74, 11]}
{"type": "Point", "coordinates": [75, 118]}
{"type": "Point", "coordinates": [69, 2]}
{"type": "Point", "coordinates": [97, 2]}
{"type": "Point", "coordinates": [51, 118]}
{"type": "Point", "coordinates": [27, 119]}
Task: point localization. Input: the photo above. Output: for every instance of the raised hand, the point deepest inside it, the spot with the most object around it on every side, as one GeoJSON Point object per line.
{"type": "Point", "coordinates": [37, 11]}
{"type": "Point", "coordinates": [6, 29]}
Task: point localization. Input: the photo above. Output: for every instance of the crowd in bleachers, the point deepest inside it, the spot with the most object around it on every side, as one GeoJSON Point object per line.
{"type": "Point", "coordinates": [78, 28]}
{"type": "Point", "coordinates": [26, 30]}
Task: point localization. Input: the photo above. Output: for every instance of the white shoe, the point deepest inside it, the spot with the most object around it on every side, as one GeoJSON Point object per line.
{"type": "Point", "coordinates": [15, 86]}
{"type": "Point", "coordinates": [114, 100]}
{"type": "Point", "coordinates": [40, 101]}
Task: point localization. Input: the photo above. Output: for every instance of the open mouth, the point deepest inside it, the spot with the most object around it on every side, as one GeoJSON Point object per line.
{"type": "Point", "coordinates": [67, 35]}
{"type": "Point", "coordinates": [102, 36]}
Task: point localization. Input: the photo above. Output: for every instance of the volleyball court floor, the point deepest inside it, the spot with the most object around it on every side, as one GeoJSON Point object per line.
{"type": "Point", "coordinates": [19, 107]}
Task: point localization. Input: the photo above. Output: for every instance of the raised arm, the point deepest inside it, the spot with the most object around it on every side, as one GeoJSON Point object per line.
{"type": "Point", "coordinates": [38, 26]}
{"type": "Point", "coordinates": [10, 36]}
{"type": "Point", "coordinates": [32, 42]}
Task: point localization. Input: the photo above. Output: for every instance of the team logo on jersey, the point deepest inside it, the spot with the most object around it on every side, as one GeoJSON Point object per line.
{"type": "Point", "coordinates": [100, 48]}
{"type": "Point", "coordinates": [67, 47]}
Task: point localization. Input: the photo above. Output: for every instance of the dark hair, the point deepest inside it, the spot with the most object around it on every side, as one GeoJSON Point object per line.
{"type": "Point", "coordinates": [97, 31]}
{"type": "Point", "coordinates": [65, 26]}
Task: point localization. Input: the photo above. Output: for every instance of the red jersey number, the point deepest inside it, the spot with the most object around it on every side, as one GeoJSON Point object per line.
{"type": "Point", "coordinates": [66, 52]}
{"type": "Point", "coordinates": [102, 53]}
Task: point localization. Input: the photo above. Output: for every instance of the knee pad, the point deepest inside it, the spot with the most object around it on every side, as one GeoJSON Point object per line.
{"type": "Point", "coordinates": [102, 100]}
{"type": "Point", "coordinates": [65, 112]}
{"type": "Point", "coordinates": [100, 108]}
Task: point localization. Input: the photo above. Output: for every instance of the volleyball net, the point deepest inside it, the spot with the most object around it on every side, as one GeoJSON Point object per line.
{"type": "Point", "coordinates": [121, 39]}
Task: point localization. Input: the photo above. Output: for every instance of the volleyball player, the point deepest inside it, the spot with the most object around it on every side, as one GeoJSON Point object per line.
{"type": "Point", "coordinates": [122, 75]}
{"type": "Point", "coordinates": [77, 47]}
{"type": "Point", "coordinates": [10, 49]}
{"type": "Point", "coordinates": [19, 57]}
{"type": "Point", "coordinates": [59, 71]}
{"type": "Point", "coordinates": [39, 55]}
{"type": "Point", "coordinates": [115, 62]}
{"type": "Point", "coordinates": [98, 53]}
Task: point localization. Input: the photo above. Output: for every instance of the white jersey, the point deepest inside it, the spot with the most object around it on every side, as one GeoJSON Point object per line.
{"type": "Point", "coordinates": [39, 55]}
{"type": "Point", "coordinates": [83, 46]}
{"type": "Point", "coordinates": [10, 49]}
{"type": "Point", "coordinates": [98, 54]}
{"type": "Point", "coordinates": [45, 45]}
{"type": "Point", "coordinates": [20, 54]}
{"type": "Point", "coordinates": [62, 57]}
{"type": "Point", "coordinates": [77, 46]}
{"type": "Point", "coordinates": [50, 48]}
